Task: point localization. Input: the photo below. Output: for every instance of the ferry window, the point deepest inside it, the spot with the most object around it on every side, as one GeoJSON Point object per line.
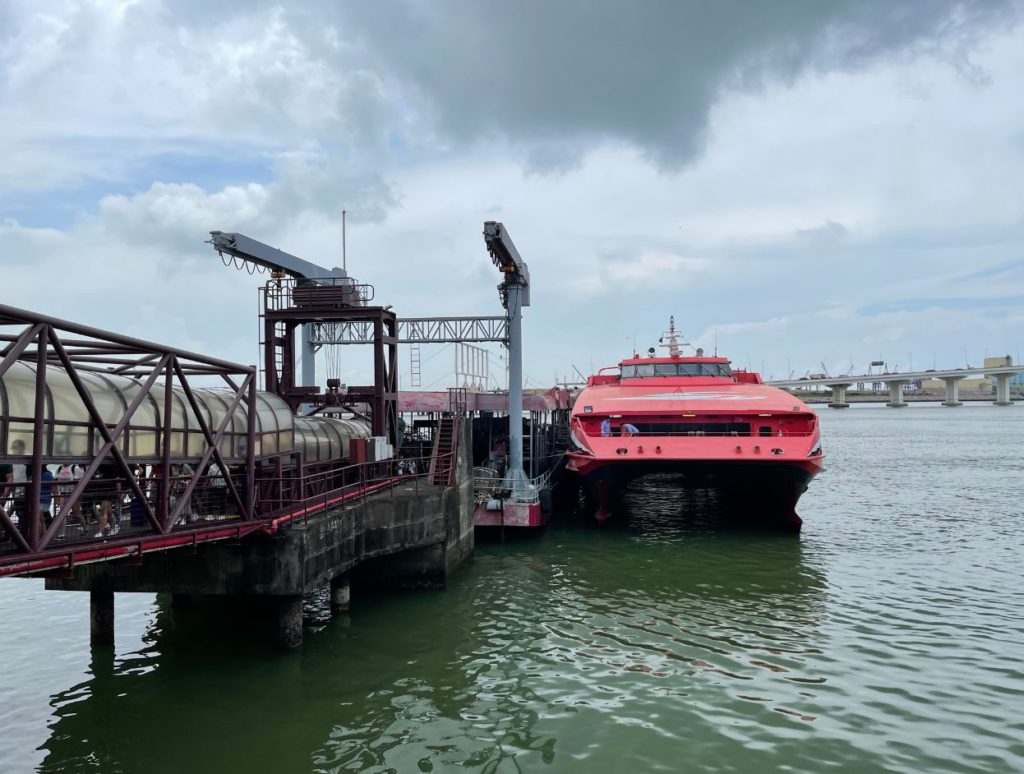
{"type": "Point", "coordinates": [627, 372]}
{"type": "Point", "coordinates": [764, 430]}
{"type": "Point", "coordinates": [665, 369]}
{"type": "Point", "coordinates": [724, 370]}
{"type": "Point", "coordinates": [647, 369]}
{"type": "Point", "coordinates": [689, 369]}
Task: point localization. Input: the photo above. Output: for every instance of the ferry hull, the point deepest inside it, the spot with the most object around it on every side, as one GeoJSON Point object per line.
{"type": "Point", "coordinates": [748, 491]}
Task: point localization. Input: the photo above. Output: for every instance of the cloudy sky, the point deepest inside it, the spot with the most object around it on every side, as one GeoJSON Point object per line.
{"type": "Point", "coordinates": [812, 181]}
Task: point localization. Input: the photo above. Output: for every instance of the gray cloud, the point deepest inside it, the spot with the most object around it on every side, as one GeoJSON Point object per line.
{"type": "Point", "coordinates": [829, 233]}
{"type": "Point", "coordinates": [559, 77]}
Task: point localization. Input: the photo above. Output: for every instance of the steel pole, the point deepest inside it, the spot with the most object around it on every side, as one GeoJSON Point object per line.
{"type": "Point", "coordinates": [308, 356]}
{"type": "Point", "coordinates": [515, 476]}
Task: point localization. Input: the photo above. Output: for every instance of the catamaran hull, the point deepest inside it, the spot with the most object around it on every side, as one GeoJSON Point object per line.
{"type": "Point", "coordinates": [754, 492]}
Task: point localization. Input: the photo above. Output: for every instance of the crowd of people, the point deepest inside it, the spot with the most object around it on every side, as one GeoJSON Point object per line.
{"type": "Point", "coordinates": [108, 502]}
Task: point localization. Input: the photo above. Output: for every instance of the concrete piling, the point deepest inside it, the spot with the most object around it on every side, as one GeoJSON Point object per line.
{"type": "Point", "coordinates": [341, 594]}
{"type": "Point", "coordinates": [289, 621]}
{"type": "Point", "coordinates": [101, 618]}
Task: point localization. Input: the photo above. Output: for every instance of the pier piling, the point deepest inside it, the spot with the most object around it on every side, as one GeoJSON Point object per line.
{"type": "Point", "coordinates": [341, 594]}
{"type": "Point", "coordinates": [101, 618]}
{"type": "Point", "coordinates": [289, 621]}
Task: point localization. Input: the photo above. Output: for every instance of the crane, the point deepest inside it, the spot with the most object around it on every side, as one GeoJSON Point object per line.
{"type": "Point", "coordinates": [264, 256]}
{"type": "Point", "coordinates": [514, 292]}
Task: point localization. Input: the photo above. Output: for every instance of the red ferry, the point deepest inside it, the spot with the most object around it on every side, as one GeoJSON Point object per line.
{"type": "Point", "coordinates": [694, 416]}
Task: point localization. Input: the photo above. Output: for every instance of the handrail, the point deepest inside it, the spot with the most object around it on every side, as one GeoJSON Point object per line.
{"type": "Point", "coordinates": [278, 501]}
{"type": "Point", "coordinates": [704, 434]}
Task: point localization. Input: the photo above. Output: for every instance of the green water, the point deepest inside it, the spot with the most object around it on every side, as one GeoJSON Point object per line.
{"type": "Point", "coordinates": [889, 636]}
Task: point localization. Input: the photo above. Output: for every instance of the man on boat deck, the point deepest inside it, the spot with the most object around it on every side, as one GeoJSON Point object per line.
{"type": "Point", "coordinates": [628, 429]}
{"type": "Point", "coordinates": [606, 428]}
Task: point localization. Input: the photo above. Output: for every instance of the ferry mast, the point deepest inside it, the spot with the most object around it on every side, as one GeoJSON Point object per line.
{"type": "Point", "coordinates": [673, 340]}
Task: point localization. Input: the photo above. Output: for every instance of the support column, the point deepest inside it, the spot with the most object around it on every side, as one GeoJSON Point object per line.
{"type": "Point", "coordinates": [341, 594]}
{"type": "Point", "coordinates": [101, 618]}
{"type": "Point", "coordinates": [839, 396]}
{"type": "Point", "coordinates": [952, 391]}
{"type": "Point", "coordinates": [896, 395]}
{"type": "Point", "coordinates": [1003, 390]}
{"type": "Point", "coordinates": [289, 621]}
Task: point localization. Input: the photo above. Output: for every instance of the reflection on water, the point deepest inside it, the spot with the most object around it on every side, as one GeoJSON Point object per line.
{"type": "Point", "coordinates": [638, 629]}
{"type": "Point", "coordinates": [886, 637]}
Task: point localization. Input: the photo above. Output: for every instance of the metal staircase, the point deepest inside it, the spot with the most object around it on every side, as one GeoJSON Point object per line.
{"type": "Point", "coordinates": [446, 439]}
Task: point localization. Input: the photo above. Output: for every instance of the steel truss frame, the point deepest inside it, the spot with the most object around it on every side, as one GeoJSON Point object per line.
{"type": "Point", "coordinates": [48, 341]}
{"type": "Point", "coordinates": [418, 330]}
{"type": "Point", "coordinates": [282, 314]}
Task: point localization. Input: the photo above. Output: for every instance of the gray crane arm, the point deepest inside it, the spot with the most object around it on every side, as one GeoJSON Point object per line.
{"type": "Point", "coordinates": [507, 259]}
{"type": "Point", "coordinates": [248, 249]}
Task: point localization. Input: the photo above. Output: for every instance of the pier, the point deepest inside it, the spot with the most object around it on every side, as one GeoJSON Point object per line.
{"type": "Point", "coordinates": [132, 466]}
{"type": "Point", "coordinates": [232, 503]}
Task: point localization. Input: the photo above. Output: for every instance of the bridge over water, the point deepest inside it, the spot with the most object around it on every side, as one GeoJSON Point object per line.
{"type": "Point", "coordinates": [897, 383]}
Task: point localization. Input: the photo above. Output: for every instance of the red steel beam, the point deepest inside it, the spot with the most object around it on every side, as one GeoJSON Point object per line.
{"type": "Point", "coordinates": [15, 314]}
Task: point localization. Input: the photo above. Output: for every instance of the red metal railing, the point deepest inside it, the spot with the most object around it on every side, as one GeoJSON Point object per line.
{"type": "Point", "coordinates": [110, 519]}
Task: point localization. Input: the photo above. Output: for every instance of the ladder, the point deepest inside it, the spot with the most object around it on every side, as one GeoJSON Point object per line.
{"type": "Point", "coordinates": [442, 467]}
{"type": "Point", "coordinates": [414, 365]}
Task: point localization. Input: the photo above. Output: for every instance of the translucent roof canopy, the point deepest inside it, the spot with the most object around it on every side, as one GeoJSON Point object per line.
{"type": "Point", "coordinates": [68, 435]}
{"type": "Point", "coordinates": [324, 438]}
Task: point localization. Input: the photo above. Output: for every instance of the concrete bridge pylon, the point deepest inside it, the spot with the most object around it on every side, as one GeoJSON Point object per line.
{"type": "Point", "coordinates": [896, 394]}
{"type": "Point", "coordinates": [952, 391]}
{"type": "Point", "coordinates": [1002, 389]}
{"type": "Point", "coordinates": [839, 396]}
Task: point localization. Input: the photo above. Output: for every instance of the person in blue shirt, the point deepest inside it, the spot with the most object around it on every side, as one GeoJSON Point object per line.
{"type": "Point", "coordinates": [45, 498]}
{"type": "Point", "coordinates": [628, 429]}
{"type": "Point", "coordinates": [606, 428]}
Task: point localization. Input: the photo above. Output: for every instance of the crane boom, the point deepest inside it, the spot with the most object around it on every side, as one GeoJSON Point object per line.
{"type": "Point", "coordinates": [506, 258]}
{"type": "Point", "coordinates": [254, 251]}
{"type": "Point", "coordinates": [249, 249]}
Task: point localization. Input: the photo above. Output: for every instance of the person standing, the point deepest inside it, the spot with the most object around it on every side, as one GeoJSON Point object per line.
{"type": "Point", "coordinates": [217, 490]}
{"type": "Point", "coordinates": [108, 491]}
{"type": "Point", "coordinates": [606, 428]}
{"type": "Point", "coordinates": [45, 500]}
{"type": "Point", "coordinates": [18, 475]}
{"type": "Point", "coordinates": [67, 474]}
{"type": "Point", "coordinates": [185, 477]}
{"type": "Point", "coordinates": [5, 492]}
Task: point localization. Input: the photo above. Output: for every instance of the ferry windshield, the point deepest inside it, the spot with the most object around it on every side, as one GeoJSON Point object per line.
{"type": "Point", "coordinates": [675, 369]}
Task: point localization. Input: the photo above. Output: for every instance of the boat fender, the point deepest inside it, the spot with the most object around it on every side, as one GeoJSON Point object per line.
{"type": "Point", "coordinates": [494, 504]}
{"type": "Point", "coordinates": [757, 450]}
{"type": "Point", "coordinates": [657, 450]}
{"type": "Point", "coordinates": [739, 449]}
{"type": "Point", "coordinates": [639, 449]}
